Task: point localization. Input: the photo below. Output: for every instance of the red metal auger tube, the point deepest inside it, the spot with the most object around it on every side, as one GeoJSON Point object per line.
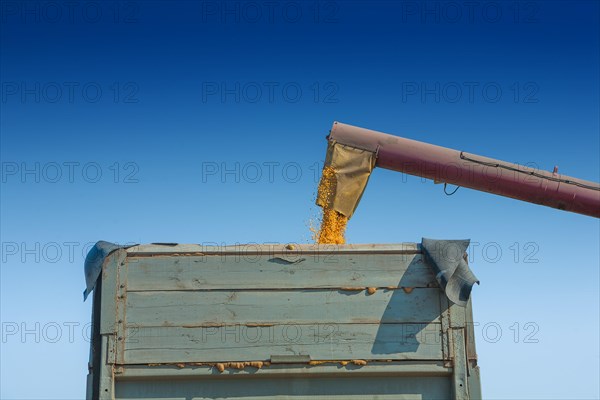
{"type": "Point", "coordinates": [472, 171]}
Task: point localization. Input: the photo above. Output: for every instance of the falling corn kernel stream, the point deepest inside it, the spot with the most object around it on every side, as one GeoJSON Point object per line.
{"type": "Point", "coordinates": [333, 224]}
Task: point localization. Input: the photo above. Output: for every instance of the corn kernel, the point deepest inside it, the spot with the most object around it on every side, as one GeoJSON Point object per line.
{"type": "Point", "coordinates": [333, 224]}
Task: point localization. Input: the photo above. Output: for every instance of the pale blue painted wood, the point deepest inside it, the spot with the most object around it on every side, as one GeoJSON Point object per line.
{"type": "Point", "coordinates": [107, 381]}
{"type": "Point", "coordinates": [189, 308]}
{"type": "Point", "coordinates": [275, 371]}
{"type": "Point", "coordinates": [445, 319]}
{"type": "Point", "coordinates": [298, 300]}
{"type": "Point", "coordinates": [296, 388]}
{"type": "Point", "coordinates": [460, 386]}
{"type": "Point", "coordinates": [302, 249]}
{"type": "Point", "coordinates": [266, 272]}
{"type": "Point", "coordinates": [108, 326]}
{"type": "Point", "coordinates": [110, 269]}
{"type": "Point", "coordinates": [473, 369]}
{"type": "Point", "coordinates": [321, 342]}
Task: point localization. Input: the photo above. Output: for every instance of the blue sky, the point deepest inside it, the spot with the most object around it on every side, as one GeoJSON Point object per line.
{"type": "Point", "coordinates": [198, 122]}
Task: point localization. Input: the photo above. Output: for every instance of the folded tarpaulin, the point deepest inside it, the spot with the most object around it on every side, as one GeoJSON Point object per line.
{"type": "Point", "coordinates": [93, 263]}
{"type": "Point", "coordinates": [447, 258]}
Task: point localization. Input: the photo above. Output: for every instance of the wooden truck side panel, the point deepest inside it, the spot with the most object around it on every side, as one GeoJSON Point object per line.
{"type": "Point", "coordinates": [354, 322]}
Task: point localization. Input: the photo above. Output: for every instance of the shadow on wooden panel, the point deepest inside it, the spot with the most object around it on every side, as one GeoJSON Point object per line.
{"type": "Point", "coordinates": [421, 332]}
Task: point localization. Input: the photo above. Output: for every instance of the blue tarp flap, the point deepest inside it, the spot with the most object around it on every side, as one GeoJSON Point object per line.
{"type": "Point", "coordinates": [451, 269]}
{"type": "Point", "coordinates": [93, 263]}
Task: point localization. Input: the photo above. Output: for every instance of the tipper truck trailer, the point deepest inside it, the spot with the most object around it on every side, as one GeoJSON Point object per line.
{"type": "Point", "coordinates": [280, 322]}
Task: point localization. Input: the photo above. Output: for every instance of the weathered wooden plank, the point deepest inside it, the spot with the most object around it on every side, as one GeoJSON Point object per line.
{"type": "Point", "coordinates": [277, 371]}
{"type": "Point", "coordinates": [292, 387]}
{"type": "Point", "coordinates": [459, 382]}
{"type": "Point", "coordinates": [445, 319]}
{"type": "Point", "coordinates": [121, 307]}
{"type": "Point", "coordinates": [472, 367]}
{"type": "Point", "coordinates": [107, 376]}
{"type": "Point", "coordinates": [198, 308]}
{"type": "Point", "coordinates": [273, 248]}
{"type": "Point", "coordinates": [470, 336]}
{"type": "Point", "coordinates": [475, 384]}
{"type": "Point", "coordinates": [321, 342]}
{"type": "Point", "coordinates": [110, 269]}
{"type": "Point", "coordinates": [265, 272]}
{"type": "Point", "coordinates": [457, 316]}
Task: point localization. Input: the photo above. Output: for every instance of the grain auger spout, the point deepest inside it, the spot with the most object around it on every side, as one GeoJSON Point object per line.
{"type": "Point", "coordinates": [353, 152]}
